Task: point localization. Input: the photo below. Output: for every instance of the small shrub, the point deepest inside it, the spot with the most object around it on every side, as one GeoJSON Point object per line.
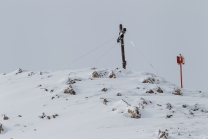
{"type": "Point", "coordinates": [19, 71]}
{"type": "Point", "coordinates": [95, 74]}
{"type": "Point", "coordinates": [144, 101]}
{"type": "Point", "coordinates": [184, 105]}
{"type": "Point", "coordinates": [169, 106]}
{"type": "Point", "coordinates": [150, 91]}
{"type": "Point", "coordinates": [114, 109]}
{"type": "Point", "coordinates": [134, 113]}
{"type": "Point", "coordinates": [119, 94]}
{"type": "Point", "coordinates": [105, 101]}
{"type": "Point", "coordinates": [48, 117]}
{"type": "Point", "coordinates": [168, 116]}
{"type": "Point", "coordinates": [1, 128]}
{"type": "Point", "coordinates": [159, 90]}
{"type": "Point", "coordinates": [5, 117]}
{"type": "Point", "coordinates": [177, 92]}
{"type": "Point", "coordinates": [149, 80]}
{"type": "Point", "coordinates": [104, 89]}
{"type": "Point", "coordinates": [112, 75]}
{"type": "Point", "coordinates": [43, 115]}
{"type": "Point", "coordinates": [69, 91]}
{"type": "Point", "coordinates": [70, 81]}
{"type": "Point", "coordinates": [162, 134]}
{"type": "Point", "coordinates": [191, 113]}
{"type": "Point", "coordinates": [196, 108]}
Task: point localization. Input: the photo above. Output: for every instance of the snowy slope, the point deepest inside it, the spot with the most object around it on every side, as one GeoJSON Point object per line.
{"type": "Point", "coordinates": [25, 96]}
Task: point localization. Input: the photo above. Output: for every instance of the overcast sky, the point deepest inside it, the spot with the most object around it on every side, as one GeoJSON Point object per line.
{"type": "Point", "coordinates": [49, 34]}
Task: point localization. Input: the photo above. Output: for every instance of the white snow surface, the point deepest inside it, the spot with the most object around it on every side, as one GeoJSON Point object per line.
{"type": "Point", "coordinates": [85, 116]}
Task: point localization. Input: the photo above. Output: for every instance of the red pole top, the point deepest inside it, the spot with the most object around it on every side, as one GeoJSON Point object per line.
{"type": "Point", "coordinates": [180, 59]}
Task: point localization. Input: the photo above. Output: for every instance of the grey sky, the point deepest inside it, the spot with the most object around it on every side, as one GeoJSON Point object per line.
{"type": "Point", "coordinates": [48, 34]}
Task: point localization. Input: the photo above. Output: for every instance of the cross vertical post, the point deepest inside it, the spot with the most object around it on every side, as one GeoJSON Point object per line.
{"type": "Point", "coordinates": [121, 40]}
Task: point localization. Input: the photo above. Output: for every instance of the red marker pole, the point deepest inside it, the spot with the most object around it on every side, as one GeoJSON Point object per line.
{"type": "Point", "coordinates": [180, 61]}
{"type": "Point", "coordinates": [181, 75]}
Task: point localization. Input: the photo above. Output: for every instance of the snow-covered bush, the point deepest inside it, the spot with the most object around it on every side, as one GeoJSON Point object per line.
{"type": "Point", "coordinates": [177, 91]}
{"type": "Point", "coordinates": [134, 113]}
{"type": "Point", "coordinates": [1, 128]}
{"type": "Point", "coordinates": [112, 75]}
{"type": "Point", "coordinates": [69, 90]}
{"type": "Point", "coordinates": [163, 134]}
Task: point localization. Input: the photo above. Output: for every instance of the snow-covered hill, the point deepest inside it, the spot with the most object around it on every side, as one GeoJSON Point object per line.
{"type": "Point", "coordinates": [99, 104]}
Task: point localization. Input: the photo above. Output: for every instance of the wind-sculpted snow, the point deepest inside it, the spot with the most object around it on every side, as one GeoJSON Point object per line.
{"type": "Point", "coordinates": [99, 103]}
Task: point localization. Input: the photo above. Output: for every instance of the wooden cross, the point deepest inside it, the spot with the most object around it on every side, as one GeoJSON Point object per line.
{"type": "Point", "coordinates": [121, 40]}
